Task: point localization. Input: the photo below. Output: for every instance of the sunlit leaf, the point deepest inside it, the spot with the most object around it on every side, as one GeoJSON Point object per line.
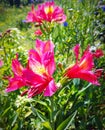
{"type": "Point", "coordinates": [28, 114]}
{"type": "Point", "coordinates": [47, 125]}
{"type": "Point", "coordinates": [14, 120]}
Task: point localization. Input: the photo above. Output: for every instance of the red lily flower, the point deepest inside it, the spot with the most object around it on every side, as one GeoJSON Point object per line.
{"type": "Point", "coordinates": [98, 53]}
{"type": "Point", "coordinates": [83, 69]}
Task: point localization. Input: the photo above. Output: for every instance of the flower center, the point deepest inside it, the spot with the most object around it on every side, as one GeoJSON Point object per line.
{"type": "Point", "coordinates": [83, 64]}
{"type": "Point", "coordinates": [39, 69]}
{"type": "Point", "coordinates": [49, 10]}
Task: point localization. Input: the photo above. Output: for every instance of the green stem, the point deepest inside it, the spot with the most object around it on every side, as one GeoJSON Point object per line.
{"type": "Point", "coordinates": [5, 53]}
{"type": "Point", "coordinates": [64, 81]}
{"type": "Point", "coordinates": [52, 111]}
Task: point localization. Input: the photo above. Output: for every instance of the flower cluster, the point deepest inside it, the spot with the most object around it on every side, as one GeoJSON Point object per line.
{"type": "Point", "coordinates": [41, 66]}
{"type": "Point", "coordinates": [38, 73]}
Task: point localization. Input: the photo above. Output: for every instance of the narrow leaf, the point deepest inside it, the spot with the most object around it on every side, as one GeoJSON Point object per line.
{"type": "Point", "coordinates": [6, 111]}
{"type": "Point", "coordinates": [39, 114]}
{"type": "Point", "coordinates": [84, 88]}
{"type": "Point", "coordinates": [44, 104]}
{"type": "Point", "coordinates": [15, 118]}
{"type": "Point", "coordinates": [66, 123]}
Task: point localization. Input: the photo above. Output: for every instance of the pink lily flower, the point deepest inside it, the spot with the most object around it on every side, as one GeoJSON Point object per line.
{"type": "Point", "coordinates": [33, 16]}
{"type": "Point", "coordinates": [41, 62]}
{"type": "Point", "coordinates": [83, 68]}
{"type": "Point", "coordinates": [48, 11]}
{"type": "Point", "coordinates": [17, 81]}
{"type": "Point", "coordinates": [38, 73]}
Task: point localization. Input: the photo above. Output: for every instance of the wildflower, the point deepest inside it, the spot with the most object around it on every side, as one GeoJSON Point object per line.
{"type": "Point", "coordinates": [38, 73]}
{"type": "Point", "coordinates": [41, 62]}
{"type": "Point", "coordinates": [98, 72]}
{"type": "Point", "coordinates": [30, 1]}
{"type": "Point", "coordinates": [99, 53]}
{"type": "Point", "coordinates": [48, 11]}
{"type": "Point", "coordinates": [103, 8]}
{"type": "Point", "coordinates": [24, 21]}
{"type": "Point", "coordinates": [65, 24]}
{"type": "Point", "coordinates": [17, 81]}
{"type": "Point", "coordinates": [38, 32]}
{"type": "Point", "coordinates": [83, 68]}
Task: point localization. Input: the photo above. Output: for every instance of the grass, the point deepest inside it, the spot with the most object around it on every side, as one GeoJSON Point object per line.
{"type": "Point", "coordinates": [11, 16]}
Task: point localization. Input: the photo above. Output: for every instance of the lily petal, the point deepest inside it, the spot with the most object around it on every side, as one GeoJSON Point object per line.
{"type": "Point", "coordinates": [17, 67]}
{"type": "Point", "coordinates": [50, 89]}
{"type": "Point", "coordinates": [33, 54]}
{"type": "Point", "coordinates": [31, 78]}
{"type": "Point", "coordinates": [99, 53]}
{"type": "Point", "coordinates": [49, 63]}
{"type": "Point", "coordinates": [14, 84]}
{"type": "Point", "coordinates": [76, 51]}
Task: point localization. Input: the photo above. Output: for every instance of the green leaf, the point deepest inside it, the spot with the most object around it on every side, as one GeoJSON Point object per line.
{"type": "Point", "coordinates": [78, 105]}
{"type": "Point", "coordinates": [82, 90]}
{"type": "Point", "coordinates": [14, 120]}
{"type": "Point", "coordinates": [76, 81]}
{"type": "Point", "coordinates": [38, 113]}
{"type": "Point", "coordinates": [98, 122]}
{"type": "Point", "coordinates": [44, 104]}
{"type": "Point", "coordinates": [15, 127]}
{"type": "Point", "coordinates": [28, 114]}
{"type": "Point", "coordinates": [66, 123]}
{"type": "Point", "coordinates": [6, 111]}
{"type": "Point", "coordinates": [47, 125]}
